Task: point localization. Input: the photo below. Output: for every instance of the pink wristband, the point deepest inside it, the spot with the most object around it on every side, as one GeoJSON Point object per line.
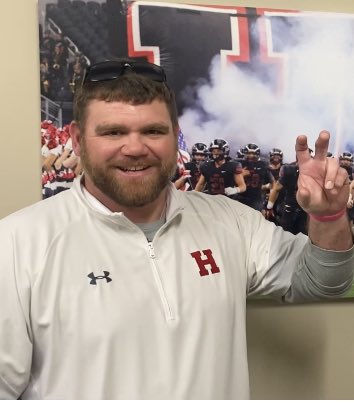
{"type": "Point", "coordinates": [329, 218]}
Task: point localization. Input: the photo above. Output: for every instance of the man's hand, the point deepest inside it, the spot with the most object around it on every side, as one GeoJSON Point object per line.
{"type": "Point", "coordinates": [186, 174]}
{"type": "Point", "coordinates": [323, 186]}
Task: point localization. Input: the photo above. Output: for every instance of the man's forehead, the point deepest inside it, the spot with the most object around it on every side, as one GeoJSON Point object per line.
{"type": "Point", "coordinates": [115, 111]}
{"type": "Point", "coordinates": [156, 103]}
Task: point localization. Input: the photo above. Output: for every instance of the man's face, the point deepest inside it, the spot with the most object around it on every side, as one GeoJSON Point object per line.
{"type": "Point", "coordinates": [251, 156]}
{"type": "Point", "coordinates": [345, 163]}
{"type": "Point", "coordinates": [276, 159]}
{"type": "Point", "coordinates": [128, 152]}
{"type": "Point", "coordinates": [199, 157]}
{"type": "Point", "coordinates": [217, 154]}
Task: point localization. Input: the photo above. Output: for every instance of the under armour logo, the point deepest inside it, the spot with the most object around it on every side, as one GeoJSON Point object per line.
{"type": "Point", "coordinates": [202, 263]}
{"type": "Point", "coordinates": [94, 278]}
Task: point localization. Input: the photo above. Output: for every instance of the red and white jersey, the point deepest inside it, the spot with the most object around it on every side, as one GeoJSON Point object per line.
{"type": "Point", "coordinates": [44, 151]}
{"type": "Point", "coordinates": [69, 144]}
{"type": "Point", "coordinates": [56, 151]}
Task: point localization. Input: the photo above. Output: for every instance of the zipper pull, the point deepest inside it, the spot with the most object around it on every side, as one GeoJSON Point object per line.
{"type": "Point", "coordinates": [151, 250]}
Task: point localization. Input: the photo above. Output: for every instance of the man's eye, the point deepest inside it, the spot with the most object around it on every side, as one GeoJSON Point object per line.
{"type": "Point", "coordinates": [155, 132]}
{"type": "Point", "coordinates": [112, 133]}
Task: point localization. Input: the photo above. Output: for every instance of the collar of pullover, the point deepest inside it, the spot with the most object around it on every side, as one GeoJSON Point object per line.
{"type": "Point", "coordinates": [174, 202]}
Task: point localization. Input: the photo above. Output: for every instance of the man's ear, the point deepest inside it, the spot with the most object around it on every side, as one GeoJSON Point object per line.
{"type": "Point", "coordinates": [75, 134]}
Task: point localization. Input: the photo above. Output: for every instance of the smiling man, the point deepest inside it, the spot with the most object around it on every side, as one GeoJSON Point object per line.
{"type": "Point", "coordinates": [128, 162]}
{"type": "Point", "coordinates": [135, 290]}
{"type": "Point", "coordinates": [127, 165]}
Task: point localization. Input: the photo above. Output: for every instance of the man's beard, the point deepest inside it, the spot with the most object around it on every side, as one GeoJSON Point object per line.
{"type": "Point", "coordinates": [129, 192]}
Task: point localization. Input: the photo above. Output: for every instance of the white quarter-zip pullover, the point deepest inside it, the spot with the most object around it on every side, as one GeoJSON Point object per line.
{"type": "Point", "coordinates": [89, 309]}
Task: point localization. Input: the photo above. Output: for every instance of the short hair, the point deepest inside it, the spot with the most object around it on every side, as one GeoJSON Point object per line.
{"type": "Point", "coordinates": [131, 88]}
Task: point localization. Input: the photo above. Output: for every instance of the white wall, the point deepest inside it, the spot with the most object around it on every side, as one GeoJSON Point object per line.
{"type": "Point", "coordinates": [296, 352]}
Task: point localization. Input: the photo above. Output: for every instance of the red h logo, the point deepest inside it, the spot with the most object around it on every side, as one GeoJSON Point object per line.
{"type": "Point", "coordinates": [203, 262]}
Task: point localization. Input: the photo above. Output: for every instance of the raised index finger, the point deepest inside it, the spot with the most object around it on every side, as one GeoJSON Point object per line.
{"type": "Point", "coordinates": [302, 150]}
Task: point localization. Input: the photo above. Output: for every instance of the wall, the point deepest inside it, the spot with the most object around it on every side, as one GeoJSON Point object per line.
{"type": "Point", "coordinates": [19, 112]}
{"type": "Point", "coordinates": [296, 352]}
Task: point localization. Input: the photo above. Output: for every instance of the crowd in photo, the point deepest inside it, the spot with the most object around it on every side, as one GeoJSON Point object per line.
{"type": "Point", "coordinates": [59, 73]}
{"type": "Point", "coordinates": [261, 181]}
{"type": "Point", "coordinates": [257, 178]}
{"type": "Point", "coordinates": [60, 165]}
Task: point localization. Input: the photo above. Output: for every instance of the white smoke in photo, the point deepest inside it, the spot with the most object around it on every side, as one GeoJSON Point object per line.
{"type": "Point", "coordinates": [318, 93]}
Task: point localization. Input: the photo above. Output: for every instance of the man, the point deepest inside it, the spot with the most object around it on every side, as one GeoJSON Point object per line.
{"type": "Point", "coordinates": [240, 154]}
{"type": "Point", "coordinates": [346, 161]}
{"type": "Point", "coordinates": [257, 177]}
{"type": "Point", "coordinates": [220, 175]}
{"type": "Point", "coordinates": [191, 172]}
{"type": "Point", "coordinates": [350, 204]}
{"type": "Point", "coordinates": [135, 290]}
{"type": "Point", "coordinates": [293, 217]}
{"type": "Point", "coordinates": [275, 164]}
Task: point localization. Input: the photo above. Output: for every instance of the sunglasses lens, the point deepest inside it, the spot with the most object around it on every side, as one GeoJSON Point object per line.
{"type": "Point", "coordinates": [112, 70]}
{"type": "Point", "coordinates": [150, 71]}
{"type": "Point", "coordinates": [104, 71]}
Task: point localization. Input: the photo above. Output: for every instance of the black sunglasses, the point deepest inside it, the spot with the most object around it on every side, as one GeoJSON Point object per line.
{"type": "Point", "coordinates": [111, 70]}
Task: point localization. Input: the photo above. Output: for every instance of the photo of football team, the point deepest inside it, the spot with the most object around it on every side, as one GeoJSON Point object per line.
{"type": "Point", "coordinates": [247, 81]}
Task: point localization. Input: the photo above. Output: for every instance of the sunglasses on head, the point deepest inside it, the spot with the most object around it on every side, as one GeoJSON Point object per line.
{"type": "Point", "coordinates": [111, 70]}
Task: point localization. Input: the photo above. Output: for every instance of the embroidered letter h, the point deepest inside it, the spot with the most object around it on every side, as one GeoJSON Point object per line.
{"type": "Point", "coordinates": [204, 262]}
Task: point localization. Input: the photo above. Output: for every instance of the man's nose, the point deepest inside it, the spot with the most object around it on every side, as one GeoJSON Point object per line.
{"type": "Point", "coordinates": [134, 145]}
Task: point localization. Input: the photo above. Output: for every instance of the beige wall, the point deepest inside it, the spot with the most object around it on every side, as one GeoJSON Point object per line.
{"type": "Point", "coordinates": [19, 112]}
{"type": "Point", "coordinates": [296, 352]}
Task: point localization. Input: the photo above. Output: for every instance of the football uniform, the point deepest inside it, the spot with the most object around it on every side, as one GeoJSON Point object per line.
{"type": "Point", "coordinates": [194, 175]}
{"type": "Point", "coordinates": [194, 172]}
{"type": "Point", "coordinates": [219, 178]}
{"type": "Point", "coordinates": [350, 172]}
{"type": "Point", "coordinates": [275, 171]}
{"type": "Point", "coordinates": [258, 174]}
{"type": "Point", "coordinates": [294, 218]}
{"type": "Point", "coordinates": [279, 203]}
